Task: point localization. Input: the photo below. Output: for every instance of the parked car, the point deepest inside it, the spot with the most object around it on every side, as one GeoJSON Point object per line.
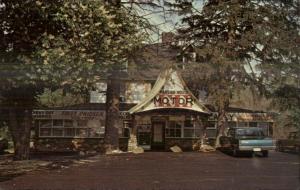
{"type": "Point", "coordinates": [292, 143]}
{"type": "Point", "coordinates": [3, 144]}
{"type": "Point", "coordinates": [247, 140]}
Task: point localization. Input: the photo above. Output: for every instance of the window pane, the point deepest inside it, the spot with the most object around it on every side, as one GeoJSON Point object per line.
{"type": "Point", "coordinates": [231, 124]}
{"type": "Point", "coordinates": [242, 124]}
{"type": "Point", "coordinates": [58, 123]}
{"type": "Point", "coordinates": [82, 123]}
{"type": "Point", "coordinates": [171, 124]}
{"type": "Point", "coordinates": [45, 132]}
{"type": "Point", "coordinates": [178, 132]}
{"type": "Point", "coordinates": [262, 124]}
{"type": "Point", "coordinates": [198, 133]}
{"type": "Point", "coordinates": [58, 132]}
{"type": "Point", "coordinates": [82, 132]}
{"type": "Point", "coordinates": [45, 123]}
{"type": "Point", "coordinates": [68, 123]}
{"type": "Point", "coordinates": [101, 131]}
{"type": "Point", "coordinates": [178, 125]}
{"type": "Point", "coordinates": [167, 132]}
{"type": "Point", "coordinates": [188, 124]}
{"type": "Point", "coordinates": [211, 124]}
{"type": "Point", "coordinates": [252, 124]}
{"type": "Point", "coordinates": [92, 132]}
{"type": "Point", "coordinates": [69, 132]}
{"type": "Point", "coordinates": [188, 132]}
{"type": "Point", "coordinates": [172, 132]}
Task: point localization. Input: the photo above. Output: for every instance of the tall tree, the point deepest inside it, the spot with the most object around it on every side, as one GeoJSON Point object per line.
{"type": "Point", "coordinates": [237, 42]}
{"type": "Point", "coordinates": [61, 44]}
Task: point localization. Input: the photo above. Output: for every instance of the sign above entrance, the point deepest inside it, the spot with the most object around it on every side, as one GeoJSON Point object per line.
{"type": "Point", "coordinates": [173, 101]}
{"type": "Point", "coordinates": [169, 91]}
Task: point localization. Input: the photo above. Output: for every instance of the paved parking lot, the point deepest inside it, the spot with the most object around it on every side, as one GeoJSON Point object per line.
{"type": "Point", "coordinates": [166, 170]}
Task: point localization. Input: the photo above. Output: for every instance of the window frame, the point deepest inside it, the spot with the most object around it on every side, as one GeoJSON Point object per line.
{"type": "Point", "coordinates": [74, 126]}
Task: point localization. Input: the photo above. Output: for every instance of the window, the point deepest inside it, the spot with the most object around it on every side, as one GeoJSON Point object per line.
{"type": "Point", "coordinates": [71, 128]}
{"type": "Point", "coordinates": [242, 124]}
{"type": "Point", "coordinates": [99, 94]}
{"type": "Point", "coordinates": [252, 124]}
{"type": "Point", "coordinates": [264, 126]}
{"type": "Point", "coordinates": [135, 92]}
{"type": "Point", "coordinates": [211, 125]}
{"type": "Point", "coordinates": [231, 124]}
{"type": "Point", "coordinates": [174, 129]}
{"type": "Point", "coordinates": [184, 128]}
{"type": "Point", "coordinates": [192, 129]}
{"type": "Point", "coordinates": [249, 132]}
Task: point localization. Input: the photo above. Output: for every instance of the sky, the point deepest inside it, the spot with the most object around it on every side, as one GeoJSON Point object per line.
{"type": "Point", "coordinates": [164, 20]}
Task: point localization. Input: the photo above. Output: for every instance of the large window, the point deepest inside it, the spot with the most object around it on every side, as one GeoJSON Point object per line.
{"type": "Point", "coordinates": [173, 129]}
{"type": "Point", "coordinates": [71, 128]}
{"type": "Point", "coordinates": [99, 94]}
{"type": "Point", "coordinates": [187, 128]}
{"type": "Point", "coordinates": [192, 129]}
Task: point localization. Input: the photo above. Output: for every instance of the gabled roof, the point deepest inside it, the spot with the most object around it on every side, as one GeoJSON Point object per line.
{"type": "Point", "coordinates": [169, 86]}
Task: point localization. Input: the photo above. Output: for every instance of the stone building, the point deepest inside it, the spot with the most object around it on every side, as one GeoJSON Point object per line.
{"type": "Point", "coordinates": [154, 116]}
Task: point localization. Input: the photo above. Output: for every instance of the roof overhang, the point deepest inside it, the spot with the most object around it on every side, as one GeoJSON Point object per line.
{"type": "Point", "coordinates": [169, 92]}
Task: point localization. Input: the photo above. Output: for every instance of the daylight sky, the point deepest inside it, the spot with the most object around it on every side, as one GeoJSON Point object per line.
{"type": "Point", "coordinates": [163, 19]}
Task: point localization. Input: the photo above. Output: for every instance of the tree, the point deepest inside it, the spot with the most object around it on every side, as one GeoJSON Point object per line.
{"type": "Point", "coordinates": [62, 44]}
{"type": "Point", "coordinates": [240, 43]}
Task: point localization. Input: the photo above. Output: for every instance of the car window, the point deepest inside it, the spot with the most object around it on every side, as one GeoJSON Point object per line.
{"type": "Point", "coordinates": [253, 132]}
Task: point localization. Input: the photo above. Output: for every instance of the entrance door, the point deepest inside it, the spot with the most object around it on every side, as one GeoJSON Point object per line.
{"type": "Point", "coordinates": [144, 136]}
{"type": "Point", "coordinates": [158, 135]}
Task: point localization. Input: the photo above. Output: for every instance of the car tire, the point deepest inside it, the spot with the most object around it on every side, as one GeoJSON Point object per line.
{"type": "Point", "coordinates": [265, 153]}
{"type": "Point", "coordinates": [250, 154]}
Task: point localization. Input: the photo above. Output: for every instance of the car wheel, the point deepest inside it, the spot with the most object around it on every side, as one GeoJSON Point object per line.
{"type": "Point", "coordinates": [265, 153]}
{"type": "Point", "coordinates": [250, 154]}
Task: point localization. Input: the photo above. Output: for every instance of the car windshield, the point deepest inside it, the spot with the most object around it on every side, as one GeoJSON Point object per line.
{"type": "Point", "coordinates": [254, 132]}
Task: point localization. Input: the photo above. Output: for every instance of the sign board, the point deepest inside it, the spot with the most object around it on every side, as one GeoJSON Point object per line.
{"type": "Point", "coordinates": [74, 114]}
{"type": "Point", "coordinates": [173, 100]}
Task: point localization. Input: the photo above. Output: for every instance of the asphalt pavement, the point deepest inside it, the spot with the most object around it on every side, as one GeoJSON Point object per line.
{"type": "Point", "coordinates": [167, 170]}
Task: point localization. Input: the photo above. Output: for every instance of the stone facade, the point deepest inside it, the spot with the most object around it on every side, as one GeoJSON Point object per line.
{"type": "Point", "coordinates": [186, 144]}
{"type": "Point", "coordinates": [74, 144]}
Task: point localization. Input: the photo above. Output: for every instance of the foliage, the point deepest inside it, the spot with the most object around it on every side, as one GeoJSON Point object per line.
{"type": "Point", "coordinates": [242, 43]}
{"type": "Point", "coordinates": [63, 42]}
{"type": "Point", "coordinates": [58, 98]}
{"type": "Point", "coordinates": [60, 44]}
{"type": "Point", "coordinates": [231, 36]}
{"type": "Point", "coordinates": [287, 99]}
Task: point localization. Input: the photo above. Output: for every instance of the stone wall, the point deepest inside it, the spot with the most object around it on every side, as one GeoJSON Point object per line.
{"type": "Point", "coordinates": [74, 144]}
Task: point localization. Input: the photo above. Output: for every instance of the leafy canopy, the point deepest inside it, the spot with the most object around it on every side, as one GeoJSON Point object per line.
{"type": "Point", "coordinates": [243, 42]}
{"type": "Point", "coordinates": [63, 43]}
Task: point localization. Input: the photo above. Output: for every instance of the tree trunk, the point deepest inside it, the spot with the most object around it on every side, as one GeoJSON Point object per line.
{"type": "Point", "coordinates": [221, 122]}
{"type": "Point", "coordinates": [112, 124]}
{"type": "Point", "coordinates": [20, 123]}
